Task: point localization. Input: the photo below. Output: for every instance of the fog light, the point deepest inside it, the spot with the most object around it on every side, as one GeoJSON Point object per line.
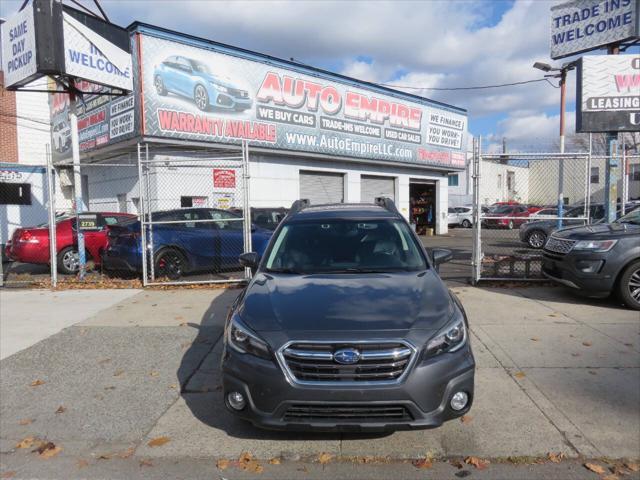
{"type": "Point", "coordinates": [459, 400]}
{"type": "Point", "coordinates": [236, 400]}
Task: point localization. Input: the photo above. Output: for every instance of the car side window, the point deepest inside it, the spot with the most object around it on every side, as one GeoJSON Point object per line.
{"type": "Point", "coordinates": [183, 64]}
{"type": "Point", "coordinates": [226, 220]}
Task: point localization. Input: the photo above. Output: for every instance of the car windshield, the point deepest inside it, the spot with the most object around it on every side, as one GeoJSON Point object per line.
{"type": "Point", "coordinates": [200, 67]}
{"type": "Point", "coordinates": [345, 246]}
{"type": "Point", "coordinates": [631, 217]}
{"type": "Point", "coordinates": [501, 209]}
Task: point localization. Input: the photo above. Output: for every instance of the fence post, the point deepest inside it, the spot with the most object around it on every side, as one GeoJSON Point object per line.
{"type": "Point", "coordinates": [53, 247]}
{"type": "Point", "coordinates": [141, 213]}
{"type": "Point", "coordinates": [476, 260]}
{"type": "Point", "coordinates": [625, 180]}
{"type": "Point", "coordinates": [245, 200]}
{"type": "Point", "coordinates": [149, 210]}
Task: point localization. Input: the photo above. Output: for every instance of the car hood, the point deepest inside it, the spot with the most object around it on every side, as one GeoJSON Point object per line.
{"type": "Point", "coordinates": [600, 231]}
{"type": "Point", "coordinates": [340, 302]}
{"type": "Point", "coordinates": [223, 81]}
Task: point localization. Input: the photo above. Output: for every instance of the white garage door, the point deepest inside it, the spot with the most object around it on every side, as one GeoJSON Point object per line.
{"type": "Point", "coordinates": [372, 187]}
{"type": "Point", "coordinates": [322, 187]}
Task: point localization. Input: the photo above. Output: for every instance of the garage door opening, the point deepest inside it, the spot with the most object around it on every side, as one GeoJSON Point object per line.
{"type": "Point", "coordinates": [372, 187]}
{"type": "Point", "coordinates": [322, 187]}
{"type": "Point", "coordinates": [422, 199]}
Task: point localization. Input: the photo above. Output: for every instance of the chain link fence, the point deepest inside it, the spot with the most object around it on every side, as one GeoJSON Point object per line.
{"type": "Point", "coordinates": [193, 215]}
{"type": "Point", "coordinates": [521, 198]}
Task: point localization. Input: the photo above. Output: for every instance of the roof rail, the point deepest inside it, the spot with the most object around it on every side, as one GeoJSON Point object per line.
{"type": "Point", "coordinates": [299, 205]}
{"type": "Point", "coordinates": [387, 204]}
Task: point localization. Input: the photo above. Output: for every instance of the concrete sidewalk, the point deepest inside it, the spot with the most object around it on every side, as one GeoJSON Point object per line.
{"type": "Point", "coordinates": [29, 316]}
{"type": "Point", "coordinates": [555, 374]}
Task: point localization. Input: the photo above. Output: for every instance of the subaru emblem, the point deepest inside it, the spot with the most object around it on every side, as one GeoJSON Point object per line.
{"type": "Point", "coordinates": [347, 356]}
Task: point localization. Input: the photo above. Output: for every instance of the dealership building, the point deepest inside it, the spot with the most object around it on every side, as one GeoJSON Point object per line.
{"type": "Point", "coordinates": [310, 133]}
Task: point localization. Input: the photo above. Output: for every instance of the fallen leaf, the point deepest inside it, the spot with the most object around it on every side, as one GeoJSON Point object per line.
{"type": "Point", "coordinates": [61, 409]}
{"type": "Point", "coordinates": [587, 344]}
{"type": "Point", "coordinates": [466, 419]}
{"type": "Point", "coordinates": [535, 339]}
{"type": "Point", "coordinates": [634, 467]}
{"type": "Point", "coordinates": [183, 324]}
{"type": "Point", "coordinates": [594, 467]}
{"type": "Point", "coordinates": [247, 463]}
{"type": "Point", "coordinates": [127, 453]}
{"type": "Point", "coordinates": [324, 458]}
{"type": "Point", "coordinates": [158, 441]}
{"type": "Point", "coordinates": [518, 375]}
{"type": "Point", "coordinates": [110, 388]}
{"type": "Point", "coordinates": [180, 317]}
{"type": "Point", "coordinates": [48, 450]}
{"type": "Point", "coordinates": [479, 463]}
{"type": "Point", "coordinates": [552, 315]}
{"type": "Point", "coordinates": [8, 474]}
{"type": "Point", "coordinates": [105, 456]}
{"type": "Point", "coordinates": [222, 464]}
{"type": "Point", "coordinates": [37, 383]}
{"type": "Point", "coordinates": [556, 457]}
{"type": "Point", "coordinates": [26, 421]}
{"type": "Point", "coordinates": [154, 373]}
{"type": "Point", "coordinates": [618, 470]}
{"type": "Point", "coordinates": [422, 463]}
{"type": "Point", "coordinates": [118, 372]}
{"type": "Point", "coordinates": [610, 477]}
{"type": "Point", "coordinates": [274, 461]}
{"type": "Point", "coordinates": [103, 361]}
{"type": "Point", "coordinates": [26, 442]}
{"type": "Point", "coordinates": [146, 463]}
{"type": "Point", "coordinates": [456, 463]}
{"type": "Point", "coordinates": [173, 386]}
{"type": "Point", "coordinates": [82, 463]}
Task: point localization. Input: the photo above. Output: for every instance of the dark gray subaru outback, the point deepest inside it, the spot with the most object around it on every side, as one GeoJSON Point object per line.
{"type": "Point", "coordinates": [347, 326]}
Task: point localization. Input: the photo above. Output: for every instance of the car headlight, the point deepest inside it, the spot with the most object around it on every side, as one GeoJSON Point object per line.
{"type": "Point", "coordinates": [451, 338]}
{"type": "Point", "coordinates": [242, 340]}
{"type": "Point", "coordinates": [596, 246]}
{"type": "Point", "coordinates": [220, 88]}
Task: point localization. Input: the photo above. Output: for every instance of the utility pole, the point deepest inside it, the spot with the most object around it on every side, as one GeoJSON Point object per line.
{"type": "Point", "coordinates": [612, 168]}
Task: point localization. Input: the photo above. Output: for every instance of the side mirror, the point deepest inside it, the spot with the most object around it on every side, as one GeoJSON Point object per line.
{"type": "Point", "coordinates": [250, 260]}
{"type": "Point", "coordinates": [440, 256]}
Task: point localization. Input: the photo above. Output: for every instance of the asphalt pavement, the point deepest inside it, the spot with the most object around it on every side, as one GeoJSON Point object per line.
{"type": "Point", "coordinates": [132, 390]}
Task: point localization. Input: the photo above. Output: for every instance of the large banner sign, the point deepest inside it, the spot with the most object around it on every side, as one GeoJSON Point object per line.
{"type": "Point", "coordinates": [608, 94]}
{"type": "Point", "coordinates": [582, 25]}
{"type": "Point", "coordinates": [198, 94]}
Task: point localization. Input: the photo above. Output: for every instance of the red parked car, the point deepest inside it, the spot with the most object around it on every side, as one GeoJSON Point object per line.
{"type": "Point", "coordinates": [31, 245]}
{"type": "Point", "coordinates": [506, 216]}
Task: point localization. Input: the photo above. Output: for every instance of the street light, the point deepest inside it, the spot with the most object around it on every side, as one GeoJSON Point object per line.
{"type": "Point", "coordinates": [562, 75]}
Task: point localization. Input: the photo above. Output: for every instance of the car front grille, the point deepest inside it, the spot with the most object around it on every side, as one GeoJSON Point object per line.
{"type": "Point", "coordinates": [316, 362]}
{"type": "Point", "coordinates": [558, 245]}
{"type": "Point", "coordinates": [347, 412]}
{"type": "Point", "coordinates": [238, 93]}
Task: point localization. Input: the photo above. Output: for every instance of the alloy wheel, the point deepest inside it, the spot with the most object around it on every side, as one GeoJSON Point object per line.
{"type": "Point", "coordinates": [634, 285]}
{"type": "Point", "coordinates": [536, 240]}
{"type": "Point", "coordinates": [201, 98]}
{"type": "Point", "coordinates": [169, 265]}
{"type": "Point", "coordinates": [71, 260]}
{"type": "Point", "coordinates": [159, 86]}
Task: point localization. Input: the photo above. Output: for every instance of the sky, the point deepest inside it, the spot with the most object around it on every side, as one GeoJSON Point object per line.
{"type": "Point", "coordinates": [426, 44]}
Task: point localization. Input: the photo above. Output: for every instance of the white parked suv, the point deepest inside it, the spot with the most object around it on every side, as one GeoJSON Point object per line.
{"type": "Point", "coordinates": [61, 136]}
{"type": "Point", "coordinates": [460, 216]}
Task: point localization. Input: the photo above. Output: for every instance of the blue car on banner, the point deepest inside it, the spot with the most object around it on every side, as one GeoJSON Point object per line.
{"type": "Point", "coordinates": [193, 79]}
{"type": "Point", "coordinates": [187, 240]}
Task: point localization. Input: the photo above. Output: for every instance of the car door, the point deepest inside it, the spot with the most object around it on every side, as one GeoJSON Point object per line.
{"type": "Point", "coordinates": [183, 76]}
{"type": "Point", "coordinates": [169, 73]}
{"type": "Point", "coordinates": [230, 239]}
{"type": "Point", "coordinates": [452, 216]}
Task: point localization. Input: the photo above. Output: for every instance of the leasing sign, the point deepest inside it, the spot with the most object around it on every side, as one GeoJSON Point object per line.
{"type": "Point", "coordinates": [194, 92]}
{"type": "Point", "coordinates": [608, 93]}
{"type": "Point", "coordinates": [582, 25]}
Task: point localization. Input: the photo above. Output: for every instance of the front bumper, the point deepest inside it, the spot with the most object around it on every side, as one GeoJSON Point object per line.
{"type": "Point", "coordinates": [566, 270]}
{"type": "Point", "coordinates": [424, 394]}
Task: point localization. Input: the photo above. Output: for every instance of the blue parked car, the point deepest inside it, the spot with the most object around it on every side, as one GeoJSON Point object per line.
{"type": "Point", "coordinates": [201, 240]}
{"type": "Point", "coordinates": [193, 79]}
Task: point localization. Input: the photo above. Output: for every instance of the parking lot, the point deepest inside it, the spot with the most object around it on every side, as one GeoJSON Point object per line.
{"type": "Point", "coordinates": [132, 386]}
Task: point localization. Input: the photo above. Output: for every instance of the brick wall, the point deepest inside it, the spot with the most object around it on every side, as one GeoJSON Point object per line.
{"type": "Point", "coordinates": [8, 125]}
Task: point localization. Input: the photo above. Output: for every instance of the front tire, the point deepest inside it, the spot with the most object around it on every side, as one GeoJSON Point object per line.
{"type": "Point", "coordinates": [466, 223]}
{"type": "Point", "coordinates": [536, 239]}
{"type": "Point", "coordinates": [201, 98]}
{"type": "Point", "coordinates": [510, 225]}
{"type": "Point", "coordinates": [629, 286]}
{"type": "Point", "coordinates": [170, 263]}
{"type": "Point", "coordinates": [159, 84]}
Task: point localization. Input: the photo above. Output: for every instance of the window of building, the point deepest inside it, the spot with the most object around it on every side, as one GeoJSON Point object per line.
{"type": "Point", "coordinates": [499, 181]}
{"type": "Point", "coordinates": [595, 174]}
{"type": "Point", "coordinates": [634, 172]}
{"type": "Point", "coordinates": [188, 202]}
{"type": "Point", "coordinates": [15, 193]}
{"type": "Point", "coordinates": [453, 180]}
